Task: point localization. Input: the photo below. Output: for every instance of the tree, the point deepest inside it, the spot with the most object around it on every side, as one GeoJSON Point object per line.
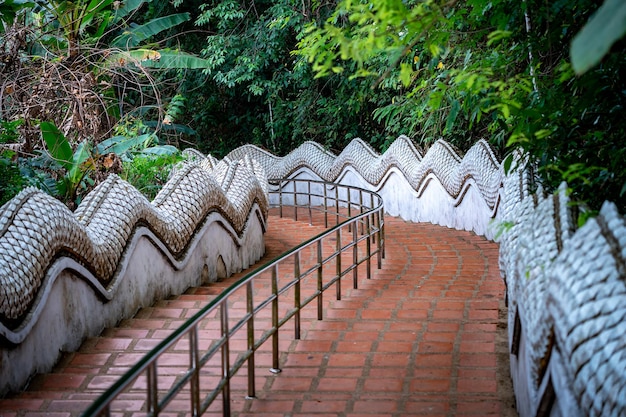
{"type": "Point", "coordinates": [260, 93]}
{"type": "Point", "coordinates": [493, 69]}
{"type": "Point", "coordinates": [85, 66]}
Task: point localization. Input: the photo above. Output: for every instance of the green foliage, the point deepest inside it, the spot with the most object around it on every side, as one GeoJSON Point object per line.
{"type": "Point", "coordinates": [124, 146]}
{"type": "Point", "coordinates": [493, 69]}
{"type": "Point", "coordinates": [383, 31]}
{"type": "Point", "coordinates": [107, 41]}
{"type": "Point", "coordinates": [9, 132]}
{"type": "Point", "coordinates": [77, 164]}
{"type": "Point", "coordinates": [148, 173]}
{"type": "Point", "coordinates": [9, 10]}
{"type": "Point", "coordinates": [93, 68]}
{"type": "Point", "coordinates": [593, 42]}
{"type": "Point", "coordinates": [257, 92]}
{"type": "Point", "coordinates": [277, 73]}
{"type": "Point", "coordinates": [159, 59]}
{"type": "Point", "coordinates": [130, 147]}
{"type": "Point", "coordinates": [174, 109]}
{"type": "Point", "coordinates": [140, 154]}
{"type": "Point", "coordinates": [445, 84]}
{"type": "Point", "coordinates": [74, 18]}
{"type": "Point", "coordinates": [135, 35]}
{"type": "Point", "coordinates": [11, 180]}
{"type": "Point", "coordinates": [224, 14]}
{"type": "Point", "coordinates": [90, 22]}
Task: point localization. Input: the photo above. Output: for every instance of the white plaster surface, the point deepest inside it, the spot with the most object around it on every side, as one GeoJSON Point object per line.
{"type": "Point", "coordinates": [432, 204]}
{"type": "Point", "coordinates": [75, 308]}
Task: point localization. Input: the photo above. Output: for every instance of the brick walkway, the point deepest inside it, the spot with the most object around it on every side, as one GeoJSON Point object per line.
{"type": "Point", "coordinates": [423, 337]}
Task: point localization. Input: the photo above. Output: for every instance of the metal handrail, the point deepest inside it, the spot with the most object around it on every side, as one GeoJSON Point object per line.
{"type": "Point", "coordinates": [352, 209]}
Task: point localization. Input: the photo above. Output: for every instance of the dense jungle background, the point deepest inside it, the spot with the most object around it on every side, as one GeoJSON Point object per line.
{"type": "Point", "coordinates": [90, 87]}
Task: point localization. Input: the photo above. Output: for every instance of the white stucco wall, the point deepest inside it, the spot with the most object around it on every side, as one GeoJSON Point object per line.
{"type": "Point", "coordinates": [74, 306]}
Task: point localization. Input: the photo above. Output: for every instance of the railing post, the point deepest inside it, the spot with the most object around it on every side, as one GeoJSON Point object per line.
{"type": "Point", "coordinates": [349, 193]}
{"type": "Point", "coordinates": [296, 295]}
{"type": "Point", "coordinates": [194, 359]}
{"type": "Point", "coordinates": [251, 361]}
{"type": "Point", "coordinates": [295, 199]}
{"type": "Point", "coordinates": [280, 199]}
{"type": "Point", "coordinates": [382, 231]}
{"type": "Point", "coordinates": [275, 369]}
{"type": "Point", "coordinates": [310, 203]}
{"type": "Point", "coordinates": [153, 399]}
{"type": "Point", "coordinates": [355, 257]}
{"type": "Point", "coordinates": [336, 204]}
{"type": "Point", "coordinates": [361, 210]}
{"type": "Point", "coordinates": [320, 283]}
{"type": "Point", "coordinates": [373, 217]}
{"type": "Point", "coordinates": [379, 249]}
{"type": "Point", "coordinates": [325, 207]}
{"type": "Point", "coordinates": [225, 359]}
{"type": "Point", "coordinates": [338, 263]}
{"type": "Point", "coordinates": [368, 247]}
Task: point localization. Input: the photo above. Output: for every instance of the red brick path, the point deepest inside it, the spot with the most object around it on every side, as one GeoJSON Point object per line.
{"type": "Point", "coordinates": [420, 338]}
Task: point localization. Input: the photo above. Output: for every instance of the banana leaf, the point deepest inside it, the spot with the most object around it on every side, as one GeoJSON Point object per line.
{"type": "Point", "coordinates": [162, 59]}
{"type": "Point", "coordinates": [135, 35]}
{"type": "Point", "coordinates": [57, 144]}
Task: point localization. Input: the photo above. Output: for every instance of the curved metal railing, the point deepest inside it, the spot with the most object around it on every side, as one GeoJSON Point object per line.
{"type": "Point", "coordinates": [354, 222]}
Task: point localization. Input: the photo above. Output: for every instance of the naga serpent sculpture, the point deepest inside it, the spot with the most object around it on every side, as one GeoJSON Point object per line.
{"type": "Point", "coordinates": [566, 286]}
